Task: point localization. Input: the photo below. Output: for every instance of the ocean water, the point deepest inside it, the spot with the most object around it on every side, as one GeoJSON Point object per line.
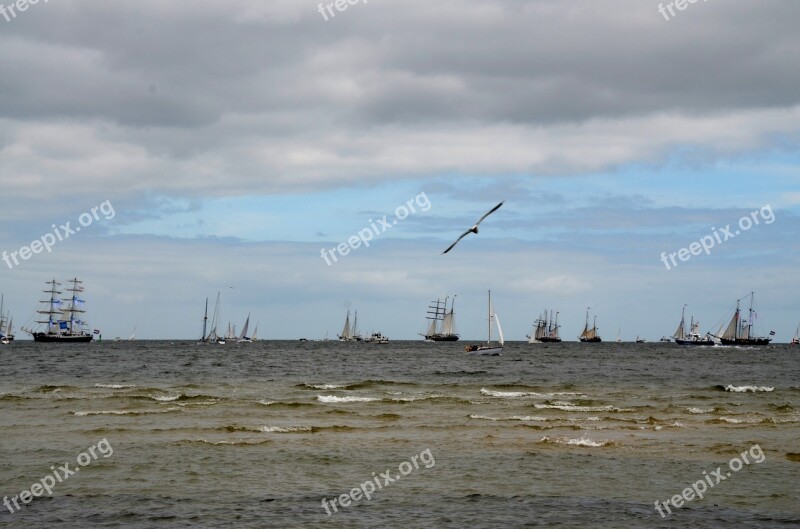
{"type": "Point", "coordinates": [562, 435]}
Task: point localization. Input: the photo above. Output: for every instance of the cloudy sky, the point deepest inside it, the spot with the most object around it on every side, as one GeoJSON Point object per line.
{"type": "Point", "coordinates": [237, 139]}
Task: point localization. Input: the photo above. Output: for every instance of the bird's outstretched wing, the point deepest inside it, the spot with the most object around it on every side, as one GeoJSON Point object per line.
{"type": "Point", "coordinates": [453, 245]}
{"type": "Point", "coordinates": [490, 212]}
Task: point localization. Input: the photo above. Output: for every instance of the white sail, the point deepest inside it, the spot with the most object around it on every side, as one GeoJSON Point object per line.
{"type": "Point", "coordinates": [133, 334]}
{"type": "Point", "coordinates": [432, 328]}
{"type": "Point", "coordinates": [346, 335]}
{"type": "Point", "coordinates": [255, 333]}
{"type": "Point", "coordinates": [499, 329]}
{"type": "Point", "coordinates": [447, 323]}
{"type": "Point", "coordinates": [730, 332]}
{"type": "Point", "coordinates": [244, 329]}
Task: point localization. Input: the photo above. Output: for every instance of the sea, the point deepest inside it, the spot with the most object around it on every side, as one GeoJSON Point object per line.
{"type": "Point", "coordinates": [268, 434]}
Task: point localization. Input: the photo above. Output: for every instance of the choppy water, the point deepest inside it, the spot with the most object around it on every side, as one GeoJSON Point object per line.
{"type": "Point", "coordinates": [562, 435]}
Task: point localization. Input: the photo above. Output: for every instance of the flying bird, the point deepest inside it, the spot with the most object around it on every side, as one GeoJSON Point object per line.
{"type": "Point", "coordinates": [474, 229]}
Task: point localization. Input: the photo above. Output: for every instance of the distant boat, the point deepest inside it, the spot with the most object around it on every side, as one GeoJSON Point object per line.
{"type": "Point", "coordinates": [796, 339]}
{"type": "Point", "coordinates": [231, 332]}
{"type": "Point", "coordinates": [6, 324]}
{"type": "Point", "coordinates": [640, 340]}
{"type": "Point", "coordinates": [350, 333]}
{"type": "Point", "coordinates": [665, 339]}
{"type": "Point", "coordinates": [740, 331]}
{"type": "Point", "coordinates": [64, 321]}
{"type": "Point", "coordinates": [545, 329]}
{"type": "Point", "coordinates": [619, 338]}
{"type": "Point", "coordinates": [203, 337]}
{"type": "Point", "coordinates": [133, 334]}
{"type": "Point", "coordinates": [489, 349]}
{"type": "Point", "coordinates": [442, 327]}
{"type": "Point", "coordinates": [590, 335]}
{"type": "Point", "coordinates": [254, 338]}
{"type": "Point", "coordinates": [377, 338]}
{"type": "Point", "coordinates": [243, 338]}
{"type": "Point", "coordinates": [693, 337]}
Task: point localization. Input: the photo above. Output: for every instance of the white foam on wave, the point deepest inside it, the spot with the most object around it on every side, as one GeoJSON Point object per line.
{"type": "Point", "coordinates": [115, 386]}
{"type": "Point", "coordinates": [582, 441]}
{"type": "Point", "coordinates": [518, 394]}
{"type": "Point", "coordinates": [327, 386]}
{"type": "Point", "coordinates": [335, 399]}
{"type": "Point", "coordinates": [745, 389]}
{"type": "Point", "coordinates": [699, 411]}
{"type": "Point", "coordinates": [166, 398]}
{"type": "Point", "coordinates": [285, 429]}
{"type": "Point", "coordinates": [526, 418]}
{"type": "Point", "coordinates": [564, 407]}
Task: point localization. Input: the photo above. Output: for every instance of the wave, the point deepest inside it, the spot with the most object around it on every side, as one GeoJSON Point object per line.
{"type": "Point", "coordinates": [745, 389]}
{"type": "Point", "coordinates": [518, 394]}
{"type": "Point", "coordinates": [284, 404]}
{"type": "Point", "coordinates": [326, 386]}
{"type": "Point", "coordinates": [115, 386]}
{"type": "Point", "coordinates": [526, 418]}
{"type": "Point", "coordinates": [335, 399]}
{"type": "Point", "coordinates": [564, 407]}
{"type": "Point", "coordinates": [228, 442]}
{"type": "Point", "coordinates": [288, 429]}
{"type": "Point", "coordinates": [700, 411]}
{"type": "Point", "coordinates": [582, 441]}
{"type": "Point", "coordinates": [122, 412]}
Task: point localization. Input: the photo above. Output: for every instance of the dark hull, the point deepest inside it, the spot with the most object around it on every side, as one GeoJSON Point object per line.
{"type": "Point", "coordinates": [61, 338]}
{"type": "Point", "coordinates": [694, 342]}
{"type": "Point", "coordinates": [746, 341]}
{"type": "Point", "coordinates": [442, 338]}
{"type": "Point", "coordinates": [591, 340]}
{"type": "Point", "coordinates": [550, 340]}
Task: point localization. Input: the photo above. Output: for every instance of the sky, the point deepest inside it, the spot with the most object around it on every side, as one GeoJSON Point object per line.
{"type": "Point", "coordinates": [234, 141]}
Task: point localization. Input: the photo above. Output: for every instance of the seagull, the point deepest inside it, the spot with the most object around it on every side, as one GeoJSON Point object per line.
{"type": "Point", "coordinates": [474, 229]}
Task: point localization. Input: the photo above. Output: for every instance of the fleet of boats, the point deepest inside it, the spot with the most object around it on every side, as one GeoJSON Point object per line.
{"type": "Point", "coordinates": [64, 322]}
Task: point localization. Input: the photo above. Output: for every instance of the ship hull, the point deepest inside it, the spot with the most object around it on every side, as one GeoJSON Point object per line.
{"type": "Point", "coordinates": [695, 342]}
{"type": "Point", "coordinates": [591, 340]}
{"type": "Point", "coordinates": [442, 338]}
{"type": "Point", "coordinates": [482, 350]}
{"type": "Point", "coordinates": [745, 341]}
{"type": "Point", "coordinates": [61, 338]}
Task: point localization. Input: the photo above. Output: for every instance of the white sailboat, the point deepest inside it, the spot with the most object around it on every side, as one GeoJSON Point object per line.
{"type": "Point", "coordinates": [795, 340]}
{"type": "Point", "coordinates": [6, 330]}
{"type": "Point", "coordinates": [350, 333]}
{"type": "Point", "coordinates": [203, 337]}
{"type": "Point", "coordinates": [243, 338]}
{"type": "Point", "coordinates": [254, 338]}
{"type": "Point", "coordinates": [133, 334]}
{"type": "Point", "coordinates": [213, 337]}
{"type": "Point", "coordinates": [489, 349]}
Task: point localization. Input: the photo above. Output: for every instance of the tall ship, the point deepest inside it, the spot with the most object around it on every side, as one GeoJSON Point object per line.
{"type": "Point", "coordinates": [590, 335]}
{"type": "Point", "coordinates": [350, 332]}
{"type": "Point", "coordinates": [6, 323]}
{"type": "Point", "coordinates": [545, 329]}
{"type": "Point", "coordinates": [693, 337]}
{"type": "Point", "coordinates": [64, 323]}
{"type": "Point", "coordinates": [442, 327]}
{"type": "Point", "coordinates": [740, 330]}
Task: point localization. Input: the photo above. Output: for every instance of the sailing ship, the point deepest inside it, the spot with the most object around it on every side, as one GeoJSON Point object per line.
{"type": "Point", "coordinates": [796, 339]}
{"type": "Point", "coordinates": [589, 335]}
{"type": "Point", "coordinates": [6, 324]}
{"type": "Point", "coordinates": [693, 337]}
{"type": "Point", "coordinates": [212, 337]}
{"type": "Point", "coordinates": [545, 329]}
{"type": "Point", "coordinates": [243, 338]}
{"type": "Point", "coordinates": [489, 349]}
{"type": "Point", "coordinates": [442, 327]}
{"type": "Point", "coordinates": [640, 340]}
{"type": "Point", "coordinates": [64, 321]}
{"type": "Point", "coordinates": [350, 333]}
{"type": "Point", "coordinates": [740, 331]}
{"type": "Point", "coordinates": [619, 336]}
{"type": "Point", "coordinates": [231, 333]}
